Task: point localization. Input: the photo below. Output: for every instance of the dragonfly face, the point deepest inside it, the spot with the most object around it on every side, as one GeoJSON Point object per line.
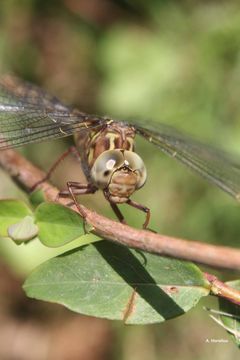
{"type": "Point", "coordinates": [28, 114]}
{"type": "Point", "coordinates": [119, 173]}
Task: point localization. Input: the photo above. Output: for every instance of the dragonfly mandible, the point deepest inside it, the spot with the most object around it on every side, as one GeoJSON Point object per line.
{"type": "Point", "coordinates": [105, 147]}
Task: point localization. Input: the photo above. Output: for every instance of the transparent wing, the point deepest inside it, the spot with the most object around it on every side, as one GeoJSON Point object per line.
{"type": "Point", "coordinates": [215, 165]}
{"type": "Point", "coordinates": [28, 114]}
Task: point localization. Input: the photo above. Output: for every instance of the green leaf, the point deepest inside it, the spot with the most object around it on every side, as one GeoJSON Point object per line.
{"type": "Point", "coordinates": [11, 212]}
{"type": "Point", "coordinates": [57, 224]}
{"type": "Point", "coordinates": [231, 321]}
{"type": "Point", "coordinates": [37, 197]}
{"type": "Point", "coordinates": [24, 230]}
{"type": "Point", "coordinates": [111, 281]}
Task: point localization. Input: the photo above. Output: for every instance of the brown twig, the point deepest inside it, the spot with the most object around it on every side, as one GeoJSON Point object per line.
{"type": "Point", "coordinates": [28, 175]}
{"type": "Point", "coordinates": [221, 289]}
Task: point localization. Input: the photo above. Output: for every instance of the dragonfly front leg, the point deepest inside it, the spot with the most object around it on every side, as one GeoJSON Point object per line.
{"type": "Point", "coordinates": [118, 213]}
{"type": "Point", "coordinates": [72, 150]}
{"type": "Point", "coordinates": [135, 205]}
{"type": "Point", "coordinates": [75, 188]}
{"type": "Point", "coordinates": [142, 208]}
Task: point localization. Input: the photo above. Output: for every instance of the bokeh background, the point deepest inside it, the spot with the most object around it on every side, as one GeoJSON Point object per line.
{"type": "Point", "coordinates": [176, 62]}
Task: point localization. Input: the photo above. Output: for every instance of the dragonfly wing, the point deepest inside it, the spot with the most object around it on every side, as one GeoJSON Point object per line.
{"type": "Point", "coordinates": [29, 114]}
{"type": "Point", "coordinates": [217, 166]}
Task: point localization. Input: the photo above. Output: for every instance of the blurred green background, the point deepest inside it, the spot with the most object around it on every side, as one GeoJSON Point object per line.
{"type": "Point", "coordinates": [176, 62]}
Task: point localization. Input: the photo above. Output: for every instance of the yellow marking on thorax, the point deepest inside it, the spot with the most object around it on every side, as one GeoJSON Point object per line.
{"type": "Point", "coordinates": [90, 155]}
{"type": "Point", "coordinates": [97, 139]}
{"type": "Point", "coordinates": [111, 137]}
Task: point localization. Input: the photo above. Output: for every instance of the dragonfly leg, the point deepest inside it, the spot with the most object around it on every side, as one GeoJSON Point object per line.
{"type": "Point", "coordinates": [142, 208]}
{"type": "Point", "coordinates": [75, 188]}
{"type": "Point", "coordinates": [118, 213]}
{"type": "Point", "coordinates": [78, 189]}
{"type": "Point", "coordinates": [71, 150]}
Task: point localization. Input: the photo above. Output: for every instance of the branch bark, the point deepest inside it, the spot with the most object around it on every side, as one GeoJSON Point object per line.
{"type": "Point", "coordinates": [221, 289]}
{"type": "Point", "coordinates": [28, 175]}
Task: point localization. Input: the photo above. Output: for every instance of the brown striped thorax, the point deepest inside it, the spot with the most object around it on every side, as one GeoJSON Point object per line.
{"type": "Point", "coordinates": [109, 161]}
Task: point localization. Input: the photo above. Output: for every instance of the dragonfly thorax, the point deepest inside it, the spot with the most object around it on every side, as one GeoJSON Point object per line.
{"type": "Point", "coordinates": [118, 173]}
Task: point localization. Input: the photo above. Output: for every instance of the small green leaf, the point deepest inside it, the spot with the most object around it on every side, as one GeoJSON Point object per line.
{"type": "Point", "coordinates": [37, 197]}
{"type": "Point", "coordinates": [231, 321]}
{"type": "Point", "coordinates": [11, 212]}
{"type": "Point", "coordinates": [24, 230]}
{"type": "Point", "coordinates": [111, 281]}
{"type": "Point", "coordinates": [57, 224]}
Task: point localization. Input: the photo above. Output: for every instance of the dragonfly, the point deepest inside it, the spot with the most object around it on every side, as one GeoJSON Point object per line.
{"type": "Point", "coordinates": [105, 147]}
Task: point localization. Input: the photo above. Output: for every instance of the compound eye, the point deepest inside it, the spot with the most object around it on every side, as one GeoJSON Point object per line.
{"type": "Point", "coordinates": [104, 167]}
{"type": "Point", "coordinates": [134, 162]}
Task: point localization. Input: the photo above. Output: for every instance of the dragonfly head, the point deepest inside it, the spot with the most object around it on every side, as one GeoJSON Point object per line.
{"type": "Point", "coordinates": [119, 173]}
